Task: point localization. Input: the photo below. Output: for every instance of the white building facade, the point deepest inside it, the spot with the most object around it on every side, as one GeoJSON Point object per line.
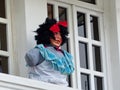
{"type": "Point", "coordinates": [94, 42]}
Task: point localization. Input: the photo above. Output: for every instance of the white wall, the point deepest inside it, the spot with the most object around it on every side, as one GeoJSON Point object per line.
{"type": "Point", "coordinates": [26, 16]}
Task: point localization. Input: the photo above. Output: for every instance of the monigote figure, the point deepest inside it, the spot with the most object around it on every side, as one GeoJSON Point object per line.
{"type": "Point", "coordinates": [46, 61]}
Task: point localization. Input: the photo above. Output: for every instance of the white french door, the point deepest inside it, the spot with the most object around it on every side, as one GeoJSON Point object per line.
{"type": "Point", "coordinates": [89, 51]}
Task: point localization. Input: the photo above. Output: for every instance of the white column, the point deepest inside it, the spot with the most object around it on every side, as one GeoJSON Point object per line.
{"type": "Point", "coordinates": [112, 32]}
{"type": "Point", "coordinates": [36, 12]}
{"type": "Point", "coordinates": [18, 34]}
{"type": "Point", "coordinates": [26, 16]}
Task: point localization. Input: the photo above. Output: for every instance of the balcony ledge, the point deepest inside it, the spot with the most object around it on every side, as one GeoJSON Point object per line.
{"type": "Point", "coordinates": [10, 82]}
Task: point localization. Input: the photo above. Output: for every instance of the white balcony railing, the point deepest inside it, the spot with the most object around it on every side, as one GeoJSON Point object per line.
{"type": "Point", "coordinates": [10, 82]}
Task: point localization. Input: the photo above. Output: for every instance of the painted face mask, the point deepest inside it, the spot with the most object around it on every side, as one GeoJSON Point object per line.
{"type": "Point", "coordinates": [56, 30]}
{"type": "Point", "coordinates": [58, 39]}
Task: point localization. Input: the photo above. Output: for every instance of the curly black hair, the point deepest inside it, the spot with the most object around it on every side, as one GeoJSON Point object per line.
{"type": "Point", "coordinates": [44, 34]}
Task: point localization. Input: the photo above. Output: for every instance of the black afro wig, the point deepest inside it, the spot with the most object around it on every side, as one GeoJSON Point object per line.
{"type": "Point", "coordinates": [44, 34]}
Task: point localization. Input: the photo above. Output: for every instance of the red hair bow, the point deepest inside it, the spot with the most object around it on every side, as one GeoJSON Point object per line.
{"type": "Point", "coordinates": [55, 28]}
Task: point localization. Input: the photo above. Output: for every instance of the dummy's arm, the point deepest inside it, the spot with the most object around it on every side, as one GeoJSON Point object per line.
{"type": "Point", "coordinates": [33, 57]}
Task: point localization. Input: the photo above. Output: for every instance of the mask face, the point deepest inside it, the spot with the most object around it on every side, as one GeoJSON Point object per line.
{"type": "Point", "coordinates": [58, 39]}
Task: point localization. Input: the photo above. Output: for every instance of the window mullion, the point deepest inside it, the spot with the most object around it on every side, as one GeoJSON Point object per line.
{"type": "Point", "coordinates": [90, 52]}
{"type": "Point", "coordinates": [92, 81]}
{"type": "Point", "coordinates": [89, 41]}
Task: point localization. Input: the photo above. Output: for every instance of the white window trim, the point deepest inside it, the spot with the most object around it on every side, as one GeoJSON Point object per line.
{"type": "Point", "coordinates": [10, 40]}
{"type": "Point", "coordinates": [98, 7]}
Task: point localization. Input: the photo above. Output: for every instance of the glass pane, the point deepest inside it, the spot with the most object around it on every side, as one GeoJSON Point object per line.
{"type": "Point", "coordinates": [3, 37]}
{"type": "Point", "coordinates": [65, 46]}
{"type": "Point", "coordinates": [89, 1]}
{"type": "Point", "coordinates": [94, 28]}
{"type": "Point", "coordinates": [81, 24]}
{"type": "Point", "coordinates": [3, 64]}
{"type": "Point", "coordinates": [96, 58]}
{"type": "Point", "coordinates": [98, 83]}
{"type": "Point", "coordinates": [62, 13]}
{"type": "Point", "coordinates": [50, 10]}
{"type": "Point", "coordinates": [69, 80]}
{"type": "Point", "coordinates": [63, 16]}
{"type": "Point", "coordinates": [2, 9]}
{"type": "Point", "coordinates": [85, 82]}
{"type": "Point", "coordinates": [83, 55]}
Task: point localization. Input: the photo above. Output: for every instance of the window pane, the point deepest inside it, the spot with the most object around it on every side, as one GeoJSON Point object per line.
{"type": "Point", "coordinates": [65, 46]}
{"type": "Point", "coordinates": [3, 37]}
{"type": "Point", "coordinates": [85, 82]}
{"type": "Point", "coordinates": [94, 28]}
{"type": "Point", "coordinates": [81, 24]}
{"type": "Point", "coordinates": [63, 16]}
{"type": "Point", "coordinates": [62, 13]}
{"type": "Point", "coordinates": [89, 1]}
{"type": "Point", "coordinates": [98, 83]}
{"type": "Point", "coordinates": [96, 58]}
{"type": "Point", "coordinates": [83, 55]}
{"type": "Point", "coordinates": [2, 9]}
{"type": "Point", "coordinates": [3, 64]}
{"type": "Point", "coordinates": [50, 10]}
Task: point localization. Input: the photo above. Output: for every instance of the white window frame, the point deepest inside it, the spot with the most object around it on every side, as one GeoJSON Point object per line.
{"type": "Point", "coordinates": [8, 53]}
{"type": "Point", "coordinates": [89, 41]}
